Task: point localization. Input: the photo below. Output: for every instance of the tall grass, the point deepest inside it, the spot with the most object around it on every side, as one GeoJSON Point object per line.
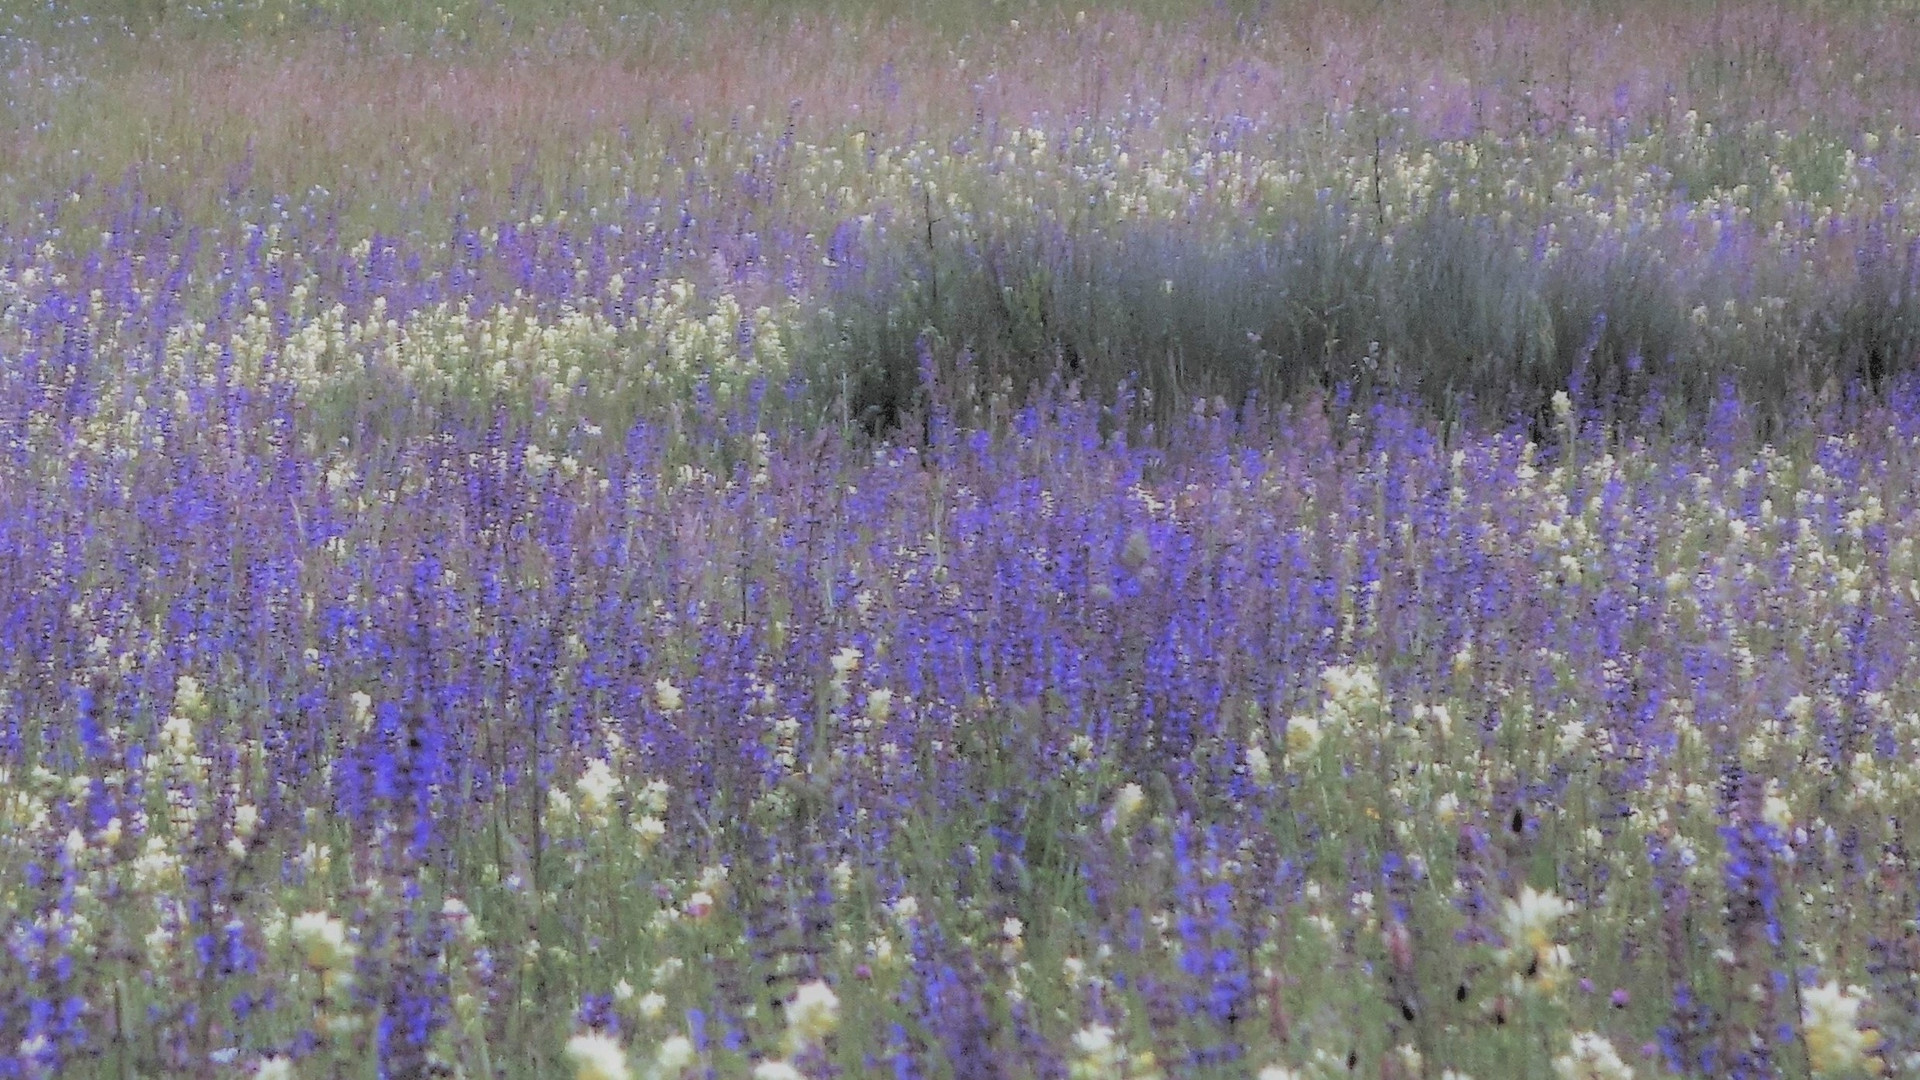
{"type": "Point", "coordinates": [1478, 321]}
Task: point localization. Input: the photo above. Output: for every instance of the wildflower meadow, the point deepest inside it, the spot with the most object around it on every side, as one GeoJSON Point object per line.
{"type": "Point", "coordinates": [993, 540]}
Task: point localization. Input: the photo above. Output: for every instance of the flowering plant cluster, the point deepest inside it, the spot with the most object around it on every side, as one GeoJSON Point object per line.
{"type": "Point", "coordinates": [544, 631]}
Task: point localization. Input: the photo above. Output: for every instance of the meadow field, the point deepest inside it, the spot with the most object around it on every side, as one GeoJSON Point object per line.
{"type": "Point", "coordinates": [994, 540]}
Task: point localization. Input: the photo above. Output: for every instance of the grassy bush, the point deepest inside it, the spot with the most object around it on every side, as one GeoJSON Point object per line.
{"type": "Point", "coordinates": [1472, 319]}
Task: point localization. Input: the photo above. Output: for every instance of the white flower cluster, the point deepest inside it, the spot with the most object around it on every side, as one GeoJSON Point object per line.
{"type": "Point", "coordinates": [1351, 695]}
{"type": "Point", "coordinates": [596, 789]}
{"type": "Point", "coordinates": [322, 941]}
{"type": "Point", "coordinates": [180, 760]}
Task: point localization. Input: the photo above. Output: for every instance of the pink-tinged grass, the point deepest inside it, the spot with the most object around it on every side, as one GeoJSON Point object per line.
{"type": "Point", "coordinates": [382, 122]}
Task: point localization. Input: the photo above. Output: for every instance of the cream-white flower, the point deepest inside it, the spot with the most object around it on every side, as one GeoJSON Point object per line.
{"type": "Point", "coordinates": [1776, 811]}
{"type": "Point", "coordinates": [596, 1057]}
{"type": "Point", "coordinates": [1830, 1020]}
{"type": "Point", "coordinates": [648, 831]}
{"type": "Point", "coordinates": [597, 787]}
{"type": "Point", "coordinates": [188, 698]}
{"type": "Point", "coordinates": [654, 796]}
{"type": "Point", "coordinates": [667, 695]}
{"type": "Point", "coordinates": [322, 941]}
{"type": "Point", "coordinates": [1258, 767]}
{"type": "Point", "coordinates": [1591, 1057]}
{"type": "Point", "coordinates": [1126, 804]}
{"type": "Point", "coordinates": [813, 1012]}
{"type": "Point", "coordinates": [360, 710]}
{"type": "Point", "coordinates": [1528, 921]}
{"type": "Point", "coordinates": [674, 1055]}
{"type": "Point", "coordinates": [1303, 734]}
{"type": "Point", "coordinates": [1098, 1054]}
{"type": "Point", "coordinates": [1093, 1039]}
{"type": "Point", "coordinates": [1351, 691]}
{"type": "Point", "coordinates": [460, 918]}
